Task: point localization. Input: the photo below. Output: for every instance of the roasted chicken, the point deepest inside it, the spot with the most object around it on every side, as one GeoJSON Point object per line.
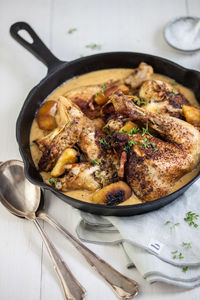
{"type": "Point", "coordinates": [154, 164]}
{"type": "Point", "coordinates": [135, 134]}
{"type": "Point", "coordinates": [92, 143]}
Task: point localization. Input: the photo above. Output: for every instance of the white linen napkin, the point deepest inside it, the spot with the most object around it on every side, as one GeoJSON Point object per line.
{"type": "Point", "coordinates": [160, 244]}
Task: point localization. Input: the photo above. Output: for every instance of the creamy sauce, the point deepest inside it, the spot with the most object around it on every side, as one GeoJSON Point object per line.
{"type": "Point", "coordinates": [100, 77]}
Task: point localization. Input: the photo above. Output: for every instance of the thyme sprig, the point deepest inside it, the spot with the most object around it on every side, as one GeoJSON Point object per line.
{"type": "Point", "coordinates": [185, 269]}
{"type": "Point", "coordinates": [190, 219]}
{"type": "Point", "coordinates": [72, 30]}
{"type": "Point", "coordinates": [102, 90]}
{"type": "Point", "coordinates": [131, 132]}
{"type": "Point", "coordinates": [187, 245]}
{"type": "Point", "coordinates": [176, 255]}
{"type": "Point", "coordinates": [171, 224]}
{"type": "Point", "coordinates": [129, 145]}
{"type": "Point", "coordinates": [95, 162]}
{"type": "Point", "coordinates": [93, 46]}
{"type": "Point", "coordinates": [52, 181]}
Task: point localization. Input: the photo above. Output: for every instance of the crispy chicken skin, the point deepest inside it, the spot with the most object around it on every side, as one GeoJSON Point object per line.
{"type": "Point", "coordinates": [162, 97]}
{"type": "Point", "coordinates": [150, 173]}
{"type": "Point", "coordinates": [139, 75]}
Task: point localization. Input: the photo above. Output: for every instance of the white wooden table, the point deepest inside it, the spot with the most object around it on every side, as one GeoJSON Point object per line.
{"type": "Point", "coordinates": [132, 25]}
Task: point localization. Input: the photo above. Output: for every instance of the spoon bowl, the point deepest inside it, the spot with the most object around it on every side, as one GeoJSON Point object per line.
{"type": "Point", "coordinates": [22, 199]}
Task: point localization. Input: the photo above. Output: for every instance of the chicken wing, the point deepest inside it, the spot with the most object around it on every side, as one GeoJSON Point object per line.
{"type": "Point", "coordinates": [139, 75]}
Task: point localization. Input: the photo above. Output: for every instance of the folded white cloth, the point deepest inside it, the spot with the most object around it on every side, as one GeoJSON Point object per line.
{"type": "Point", "coordinates": [162, 245]}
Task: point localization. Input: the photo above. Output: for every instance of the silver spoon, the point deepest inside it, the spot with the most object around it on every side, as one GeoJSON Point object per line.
{"type": "Point", "coordinates": [171, 36]}
{"type": "Point", "coordinates": [18, 197]}
{"type": "Point", "coordinates": [22, 199]}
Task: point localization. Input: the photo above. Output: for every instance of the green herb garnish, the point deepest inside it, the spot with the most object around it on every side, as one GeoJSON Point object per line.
{"type": "Point", "coordinates": [180, 256]}
{"type": "Point", "coordinates": [101, 176]}
{"type": "Point", "coordinates": [139, 101]}
{"type": "Point", "coordinates": [154, 146]}
{"type": "Point", "coordinates": [146, 130]}
{"type": "Point", "coordinates": [175, 92]}
{"type": "Point", "coordinates": [102, 90]}
{"type": "Point", "coordinates": [176, 255]}
{"type": "Point", "coordinates": [142, 101]}
{"type": "Point", "coordinates": [71, 123]}
{"type": "Point", "coordinates": [95, 162]}
{"type": "Point", "coordinates": [71, 30]}
{"type": "Point", "coordinates": [190, 218]}
{"type": "Point", "coordinates": [172, 225]}
{"type": "Point", "coordinates": [108, 135]}
{"type": "Point", "coordinates": [187, 245]}
{"type": "Point", "coordinates": [144, 144]}
{"type": "Point", "coordinates": [94, 46]}
{"type": "Point", "coordinates": [129, 145]}
{"type": "Point", "coordinates": [52, 181]}
{"type": "Point", "coordinates": [184, 269]}
{"type": "Point", "coordinates": [30, 145]}
{"type": "Point", "coordinates": [174, 82]}
{"type": "Point", "coordinates": [130, 132]}
{"type": "Point", "coordinates": [103, 141]}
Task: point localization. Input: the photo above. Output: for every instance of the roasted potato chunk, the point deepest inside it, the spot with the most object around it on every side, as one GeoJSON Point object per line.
{"type": "Point", "coordinates": [102, 97]}
{"type": "Point", "coordinates": [67, 157]}
{"type": "Point", "coordinates": [192, 114]}
{"type": "Point", "coordinates": [128, 126]}
{"type": "Point", "coordinates": [112, 194]}
{"type": "Point", "coordinates": [46, 115]}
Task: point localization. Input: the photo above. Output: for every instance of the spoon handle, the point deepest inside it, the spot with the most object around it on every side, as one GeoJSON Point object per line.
{"type": "Point", "coordinates": [71, 287]}
{"type": "Point", "coordinates": [124, 287]}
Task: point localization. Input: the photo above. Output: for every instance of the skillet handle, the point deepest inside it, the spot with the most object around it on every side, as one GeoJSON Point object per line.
{"type": "Point", "coordinates": [37, 47]}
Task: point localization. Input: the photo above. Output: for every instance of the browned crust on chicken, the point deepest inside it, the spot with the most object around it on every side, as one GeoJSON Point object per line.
{"type": "Point", "coordinates": [54, 144]}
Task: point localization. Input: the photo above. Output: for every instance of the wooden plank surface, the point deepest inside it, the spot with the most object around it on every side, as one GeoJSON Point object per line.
{"type": "Point", "coordinates": [26, 272]}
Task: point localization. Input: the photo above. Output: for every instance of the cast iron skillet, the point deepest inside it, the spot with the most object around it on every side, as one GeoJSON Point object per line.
{"type": "Point", "coordinates": [59, 72]}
